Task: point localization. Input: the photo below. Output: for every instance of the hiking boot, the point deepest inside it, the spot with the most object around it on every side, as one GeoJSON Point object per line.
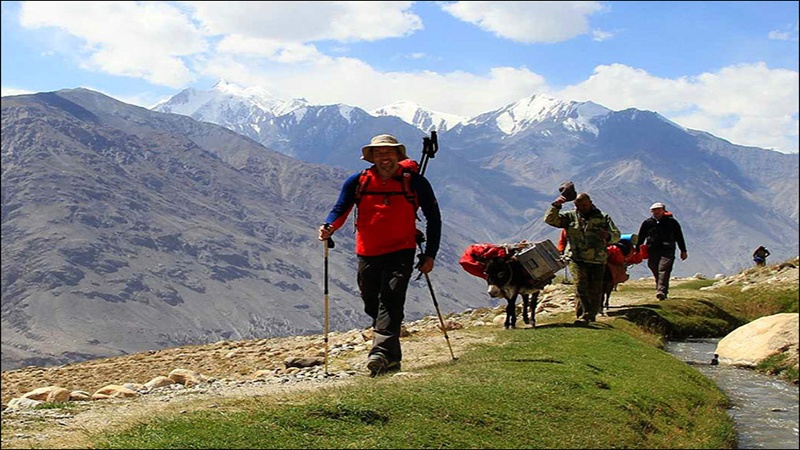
{"type": "Point", "coordinates": [393, 366]}
{"type": "Point", "coordinates": [661, 296]}
{"type": "Point", "coordinates": [581, 321]}
{"type": "Point", "coordinates": [377, 364]}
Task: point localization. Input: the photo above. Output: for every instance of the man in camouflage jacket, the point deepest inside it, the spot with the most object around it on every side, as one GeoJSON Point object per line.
{"type": "Point", "coordinates": [589, 231]}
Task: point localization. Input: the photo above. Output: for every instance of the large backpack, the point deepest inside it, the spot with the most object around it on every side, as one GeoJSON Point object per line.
{"type": "Point", "coordinates": [476, 256]}
{"type": "Point", "coordinates": [409, 166]}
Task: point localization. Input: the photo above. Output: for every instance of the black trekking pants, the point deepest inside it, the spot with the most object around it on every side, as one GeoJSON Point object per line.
{"type": "Point", "coordinates": [383, 281]}
{"type": "Point", "coordinates": [660, 264]}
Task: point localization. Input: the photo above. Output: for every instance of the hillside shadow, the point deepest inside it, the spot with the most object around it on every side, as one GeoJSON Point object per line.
{"type": "Point", "coordinates": [647, 316]}
{"type": "Point", "coordinates": [705, 319]}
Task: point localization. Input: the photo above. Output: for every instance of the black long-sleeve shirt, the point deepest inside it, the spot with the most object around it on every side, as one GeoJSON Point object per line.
{"type": "Point", "coordinates": [662, 235]}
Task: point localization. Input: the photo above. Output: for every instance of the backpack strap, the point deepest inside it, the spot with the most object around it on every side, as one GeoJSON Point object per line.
{"type": "Point", "coordinates": [363, 181]}
{"type": "Point", "coordinates": [408, 192]}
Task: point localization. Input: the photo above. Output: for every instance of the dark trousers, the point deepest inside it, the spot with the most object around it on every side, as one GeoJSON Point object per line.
{"type": "Point", "coordinates": [383, 281]}
{"type": "Point", "coordinates": [589, 288]}
{"type": "Point", "coordinates": [660, 264]}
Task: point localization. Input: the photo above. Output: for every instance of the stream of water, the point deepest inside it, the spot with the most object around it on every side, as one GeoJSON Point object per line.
{"type": "Point", "coordinates": [765, 409]}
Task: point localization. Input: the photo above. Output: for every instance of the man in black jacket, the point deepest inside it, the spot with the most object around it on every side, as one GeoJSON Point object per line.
{"type": "Point", "coordinates": [662, 234]}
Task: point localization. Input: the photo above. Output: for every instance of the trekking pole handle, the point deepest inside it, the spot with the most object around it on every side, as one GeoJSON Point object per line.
{"type": "Point", "coordinates": [430, 145]}
{"type": "Point", "coordinates": [331, 244]}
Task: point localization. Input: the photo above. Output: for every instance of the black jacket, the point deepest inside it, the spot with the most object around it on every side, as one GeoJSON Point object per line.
{"type": "Point", "coordinates": [662, 236]}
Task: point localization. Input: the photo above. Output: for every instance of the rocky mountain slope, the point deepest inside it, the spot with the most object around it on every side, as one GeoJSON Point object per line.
{"type": "Point", "coordinates": [127, 230]}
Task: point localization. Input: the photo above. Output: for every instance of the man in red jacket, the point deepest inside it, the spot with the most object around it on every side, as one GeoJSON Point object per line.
{"type": "Point", "coordinates": [386, 239]}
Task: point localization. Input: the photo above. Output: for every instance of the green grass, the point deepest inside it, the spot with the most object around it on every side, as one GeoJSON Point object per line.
{"type": "Point", "coordinates": [777, 365]}
{"type": "Point", "coordinates": [557, 386]}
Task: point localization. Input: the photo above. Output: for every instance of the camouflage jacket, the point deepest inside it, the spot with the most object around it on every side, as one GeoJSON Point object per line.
{"type": "Point", "coordinates": [586, 243]}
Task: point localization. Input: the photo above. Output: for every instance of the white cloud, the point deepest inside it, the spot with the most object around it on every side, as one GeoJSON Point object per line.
{"type": "Point", "coordinates": [302, 22]}
{"type": "Point", "coordinates": [288, 53]}
{"type": "Point", "coordinates": [528, 22]}
{"type": "Point", "coordinates": [600, 35]}
{"type": "Point", "coordinates": [779, 35]}
{"type": "Point", "coordinates": [748, 104]}
{"type": "Point", "coordinates": [788, 33]}
{"type": "Point", "coordinates": [136, 39]}
{"type": "Point", "coordinates": [417, 55]}
{"type": "Point", "coordinates": [5, 91]}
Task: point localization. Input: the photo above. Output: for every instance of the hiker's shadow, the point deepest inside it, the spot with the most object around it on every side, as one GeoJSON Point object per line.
{"type": "Point", "coordinates": [588, 326]}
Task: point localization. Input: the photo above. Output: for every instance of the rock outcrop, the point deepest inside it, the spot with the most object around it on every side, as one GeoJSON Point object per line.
{"type": "Point", "coordinates": [752, 343]}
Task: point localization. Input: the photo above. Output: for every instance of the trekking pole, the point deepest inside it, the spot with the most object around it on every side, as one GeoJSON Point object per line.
{"type": "Point", "coordinates": [430, 145]}
{"type": "Point", "coordinates": [421, 239]}
{"type": "Point", "coordinates": [328, 245]}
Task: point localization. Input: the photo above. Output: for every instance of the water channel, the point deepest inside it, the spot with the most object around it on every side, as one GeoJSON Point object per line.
{"type": "Point", "coordinates": [765, 409]}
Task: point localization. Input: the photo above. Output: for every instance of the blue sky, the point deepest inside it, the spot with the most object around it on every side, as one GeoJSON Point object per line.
{"type": "Point", "coordinates": [729, 68]}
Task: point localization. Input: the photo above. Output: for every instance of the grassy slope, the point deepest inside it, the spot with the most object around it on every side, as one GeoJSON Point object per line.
{"type": "Point", "coordinates": [558, 386]}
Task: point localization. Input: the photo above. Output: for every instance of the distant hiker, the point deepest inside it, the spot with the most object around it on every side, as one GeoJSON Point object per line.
{"type": "Point", "coordinates": [661, 234]}
{"type": "Point", "coordinates": [589, 231]}
{"type": "Point", "coordinates": [715, 360]}
{"type": "Point", "coordinates": [760, 256]}
{"type": "Point", "coordinates": [386, 239]}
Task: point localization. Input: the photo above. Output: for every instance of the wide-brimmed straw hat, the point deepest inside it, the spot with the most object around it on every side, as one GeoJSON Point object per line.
{"type": "Point", "coordinates": [383, 140]}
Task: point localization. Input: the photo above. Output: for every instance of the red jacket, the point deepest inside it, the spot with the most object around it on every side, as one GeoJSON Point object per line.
{"type": "Point", "coordinates": [562, 241]}
{"type": "Point", "coordinates": [385, 219]}
{"type": "Point", "coordinates": [618, 263]}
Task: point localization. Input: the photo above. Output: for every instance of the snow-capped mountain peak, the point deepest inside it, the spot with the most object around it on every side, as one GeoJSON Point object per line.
{"type": "Point", "coordinates": [227, 103]}
{"type": "Point", "coordinates": [255, 94]}
{"type": "Point", "coordinates": [422, 118]}
{"type": "Point", "coordinates": [540, 109]}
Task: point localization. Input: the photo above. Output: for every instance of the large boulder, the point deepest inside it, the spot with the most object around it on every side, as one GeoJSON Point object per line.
{"type": "Point", "coordinates": [750, 344]}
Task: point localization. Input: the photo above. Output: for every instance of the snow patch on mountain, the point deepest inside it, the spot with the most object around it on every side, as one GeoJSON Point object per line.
{"type": "Point", "coordinates": [541, 109]}
{"type": "Point", "coordinates": [346, 112]}
{"type": "Point", "coordinates": [422, 118]}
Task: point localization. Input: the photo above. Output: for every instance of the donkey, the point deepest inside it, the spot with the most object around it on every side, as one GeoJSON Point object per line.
{"type": "Point", "coordinates": [507, 279]}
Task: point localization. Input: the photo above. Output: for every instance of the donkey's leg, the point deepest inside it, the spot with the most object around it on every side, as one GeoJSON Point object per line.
{"type": "Point", "coordinates": [534, 302]}
{"type": "Point", "coordinates": [525, 305]}
{"type": "Point", "coordinates": [511, 313]}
